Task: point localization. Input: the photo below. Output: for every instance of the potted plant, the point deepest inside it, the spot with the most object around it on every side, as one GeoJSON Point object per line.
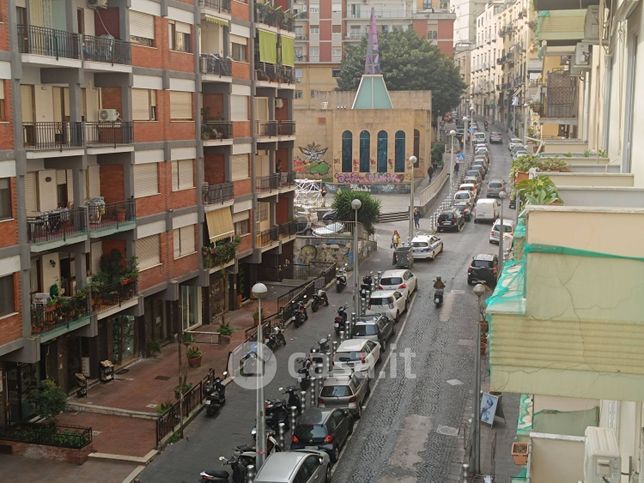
{"type": "Point", "coordinates": [182, 388]}
{"type": "Point", "coordinates": [153, 347]}
{"type": "Point", "coordinates": [520, 453]}
{"type": "Point", "coordinates": [538, 191]}
{"type": "Point", "coordinates": [225, 331]}
{"type": "Point", "coordinates": [194, 356]}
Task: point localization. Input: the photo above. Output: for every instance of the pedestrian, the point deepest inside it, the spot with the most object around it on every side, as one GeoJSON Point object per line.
{"type": "Point", "coordinates": [323, 195]}
{"type": "Point", "coordinates": [395, 239]}
{"type": "Point", "coordinates": [430, 171]}
{"type": "Point", "coordinates": [456, 165]}
{"type": "Point", "coordinates": [416, 218]}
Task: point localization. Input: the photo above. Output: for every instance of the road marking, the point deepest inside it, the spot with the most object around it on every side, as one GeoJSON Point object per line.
{"type": "Point", "coordinates": [454, 382]}
{"type": "Point", "coordinates": [446, 311]}
{"type": "Point", "coordinates": [411, 441]}
{"type": "Point", "coordinates": [447, 430]}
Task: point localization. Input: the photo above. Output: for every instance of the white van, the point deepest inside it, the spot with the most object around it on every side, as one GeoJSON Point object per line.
{"type": "Point", "coordinates": [487, 210]}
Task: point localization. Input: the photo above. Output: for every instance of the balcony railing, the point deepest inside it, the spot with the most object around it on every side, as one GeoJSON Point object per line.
{"type": "Point", "coordinates": [33, 39]}
{"type": "Point", "coordinates": [560, 96]}
{"type": "Point", "coordinates": [113, 133]}
{"type": "Point", "coordinates": [285, 74]}
{"type": "Point", "coordinates": [268, 183]}
{"type": "Point", "coordinates": [266, 72]}
{"type": "Point", "coordinates": [105, 297]}
{"type": "Point", "coordinates": [286, 128]}
{"type": "Point", "coordinates": [219, 253]}
{"type": "Point", "coordinates": [217, 5]}
{"type": "Point", "coordinates": [59, 312]}
{"type": "Point", "coordinates": [215, 65]}
{"type": "Point", "coordinates": [56, 225]}
{"type": "Point", "coordinates": [274, 16]}
{"type": "Point", "coordinates": [52, 135]}
{"type": "Point", "coordinates": [103, 216]}
{"type": "Point", "coordinates": [288, 229]}
{"type": "Point", "coordinates": [265, 237]}
{"type": "Point", "coordinates": [217, 193]}
{"type": "Point", "coordinates": [106, 49]}
{"type": "Point", "coordinates": [267, 128]}
{"type": "Point", "coordinates": [216, 130]}
{"type": "Point", "coordinates": [287, 179]}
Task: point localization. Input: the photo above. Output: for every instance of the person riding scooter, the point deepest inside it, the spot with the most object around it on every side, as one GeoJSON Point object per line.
{"type": "Point", "coordinates": [439, 287]}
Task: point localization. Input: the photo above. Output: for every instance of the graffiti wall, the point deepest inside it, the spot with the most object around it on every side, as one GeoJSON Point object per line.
{"type": "Point", "coordinates": [369, 178]}
{"type": "Point", "coordinates": [311, 249]}
{"type": "Point", "coordinates": [311, 162]}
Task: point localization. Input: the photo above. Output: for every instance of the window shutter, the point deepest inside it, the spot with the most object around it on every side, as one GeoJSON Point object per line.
{"type": "Point", "coordinates": [238, 108]}
{"type": "Point", "coordinates": [239, 169]}
{"type": "Point", "coordinates": [236, 39]}
{"type": "Point", "coordinates": [146, 181]}
{"type": "Point", "coordinates": [186, 177]}
{"type": "Point", "coordinates": [140, 105]}
{"type": "Point", "coordinates": [176, 242]}
{"type": "Point", "coordinates": [182, 28]}
{"type": "Point", "coordinates": [147, 252]}
{"type": "Point", "coordinates": [175, 175]}
{"type": "Point", "coordinates": [261, 108]}
{"type": "Point", "coordinates": [187, 239]}
{"type": "Point", "coordinates": [180, 105]}
{"type": "Point", "coordinates": [1, 90]}
{"type": "Point", "coordinates": [141, 25]}
{"type": "Point", "coordinates": [31, 194]}
{"type": "Point", "coordinates": [244, 215]}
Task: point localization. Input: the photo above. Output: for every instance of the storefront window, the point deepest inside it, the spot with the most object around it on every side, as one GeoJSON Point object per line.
{"type": "Point", "coordinates": [189, 306]}
{"type": "Point", "coordinates": [123, 339]}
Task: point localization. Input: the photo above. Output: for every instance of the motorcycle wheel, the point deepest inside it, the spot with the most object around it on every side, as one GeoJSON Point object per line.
{"type": "Point", "coordinates": [315, 306]}
{"type": "Point", "coordinates": [326, 302]}
{"type": "Point", "coordinates": [282, 339]}
{"type": "Point", "coordinates": [338, 288]}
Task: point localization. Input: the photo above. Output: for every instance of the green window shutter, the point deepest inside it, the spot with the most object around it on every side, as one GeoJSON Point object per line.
{"type": "Point", "coordinates": [288, 51]}
{"type": "Point", "coordinates": [267, 46]}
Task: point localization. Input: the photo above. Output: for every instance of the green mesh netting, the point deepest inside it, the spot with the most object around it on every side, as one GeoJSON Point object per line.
{"type": "Point", "coordinates": [509, 293]}
{"type": "Point", "coordinates": [578, 252]}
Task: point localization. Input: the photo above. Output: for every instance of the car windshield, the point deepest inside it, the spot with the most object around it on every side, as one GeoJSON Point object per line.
{"type": "Point", "coordinates": [381, 301]}
{"type": "Point", "coordinates": [462, 196]}
{"type": "Point", "coordinates": [365, 329]}
{"type": "Point", "coordinates": [309, 432]}
{"type": "Point", "coordinates": [391, 281]}
{"type": "Point", "coordinates": [445, 216]}
{"type": "Point", "coordinates": [351, 356]}
{"type": "Point", "coordinates": [495, 184]}
{"type": "Point", "coordinates": [336, 391]}
{"type": "Point", "coordinates": [482, 263]}
{"type": "Point", "coordinates": [419, 244]}
{"type": "Point", "coordinates": [506, 228]}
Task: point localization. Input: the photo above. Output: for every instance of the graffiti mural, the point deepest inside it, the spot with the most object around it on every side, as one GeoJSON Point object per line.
{"type": "Point", "coordinates": [369, 178]}
{"type": "Point", "coordinates": [312, 164]}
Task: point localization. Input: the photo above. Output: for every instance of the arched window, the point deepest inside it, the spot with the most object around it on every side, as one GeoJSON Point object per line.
{"type": "Point", "coordinates": [382, 152]}
{"type": "Point", "coordinates": [399, 161]}
{"type": "Point", "coordinates": [365, 147]}
{"type": "Point", "coordinates": [417, 143]}
{"type": "Point", "coordinates": [347, 152]}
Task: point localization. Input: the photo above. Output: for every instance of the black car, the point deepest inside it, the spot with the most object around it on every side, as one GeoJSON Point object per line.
{"type": "Point", "coordinates": [324, 429]}
{"type": "Point", "coordinates": [450, 220]}
{"type": "Point", "coordinates": [464, 209]}
{"type": "Point", "coordinates": [483, 269]}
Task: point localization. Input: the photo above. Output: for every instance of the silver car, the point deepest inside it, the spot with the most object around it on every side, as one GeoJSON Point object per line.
{"type": "Point", "coordinates": [378, 328]}
{"type": "Point", "coordinates": [345, 390]}
{"type": "Point", "coordinates": [300, 466]}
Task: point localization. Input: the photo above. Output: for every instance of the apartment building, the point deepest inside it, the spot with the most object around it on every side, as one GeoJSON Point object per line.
{"type": "Point", "coordinates": [145, 174]}
{"type": "Point", "coordinates": [324, 27]}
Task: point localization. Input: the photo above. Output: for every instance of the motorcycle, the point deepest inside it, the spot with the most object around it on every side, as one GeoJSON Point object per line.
{"type": "Point", "coordinates": [366, 286]}
{"type": "Point", "coordinates": [340, 321]}
{"type": "Point", "coordinates": [304, 380]}
{"type": "Point", "coordinates": [341, 279]}
{"type": "Point", "coordinates": [215, 395]}
{"type": "Point", "coordinates": [301, 306]}
{"type": "Point", "coordinates": [276, 338]}
{"type": "Point", "coordinates": [300, 315]}
{"type": "Point", "coordinates": [438, 297]}
{"type": "Point", "coordinates": [319, 298]}
{"type": "Point", "coordinates": [293, 399]}
{"type": "Point", "coordinates": [276, 413]}
{"type": "Point", "coordinates": [242, 457]}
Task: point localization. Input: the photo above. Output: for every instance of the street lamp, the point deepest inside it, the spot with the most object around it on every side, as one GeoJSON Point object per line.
{"type": "Point", "coordinates": [259, 291]}
{"type": "Point", "coordinates": [356, 204]}
{"type": "Point", "coordinates": [412, 161]}
{"type": "Point", "coordinates": [479, 290]}
{"type": "Point", "coordinates": [502, 195]}
{"type": "Point", "coordinates": [452, 133]}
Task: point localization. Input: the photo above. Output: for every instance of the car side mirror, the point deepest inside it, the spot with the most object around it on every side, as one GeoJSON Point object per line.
{"type": "Point", "coordinates": [321, 460]}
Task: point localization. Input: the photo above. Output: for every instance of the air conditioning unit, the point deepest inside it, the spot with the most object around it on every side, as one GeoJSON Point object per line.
{"type": "Point", "coordinates": [97, 3]}
{"type": "Point", "coordinates": [108, 115]}
{"type": "Point", "coordinates": [583, 54]}
{"type": "Point", "coordinates": [601, 458]}
{"type": "Point", "coordinates": [591, 24]}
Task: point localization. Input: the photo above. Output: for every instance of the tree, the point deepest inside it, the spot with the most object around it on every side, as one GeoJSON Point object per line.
{"type": "Point", "coordinates": [407, 63]}
{"type": "Point", "coordinates": [48, 399]}
{"type": "Point", "coordinates": [367, 214]}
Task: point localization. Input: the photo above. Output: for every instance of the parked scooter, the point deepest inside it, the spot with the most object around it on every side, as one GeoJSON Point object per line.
{"type": "Point", "coordinates": [242, 457]}
{"type": "Point", "coordinates": [276, 413]}
{"type": "Point", "coordinates": [366, 285]}
{"type": "Point", "coordinates": [340, 321]}
{"type": "Point", "coordinates": [293, 398]}
{"type": "Point", "coordinates": [301, 314]}
{"type": "Point", "coordinates": [319, 299]}
{"type": "Point", "coordinates": [341, 278]}
{"type": "Point", "coordinates": [276, 338]}
{"type": "Point", "coordinates": [438, 297]}
{"type": "Point", "coordinates": [215, 395]}
{"type": "Point", "coordinates": [304, 379]}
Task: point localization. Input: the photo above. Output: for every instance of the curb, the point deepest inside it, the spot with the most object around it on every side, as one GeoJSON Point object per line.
{"type": "Point", "coordinates": [110, 411]}
{"type": "Point", "coordinates": [133, 476]}
{"type": "Point", "coordinates": [143, 460]}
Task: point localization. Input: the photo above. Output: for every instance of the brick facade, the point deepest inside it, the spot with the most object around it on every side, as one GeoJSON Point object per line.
{"type": "Point", "coordinates": [11, 325]}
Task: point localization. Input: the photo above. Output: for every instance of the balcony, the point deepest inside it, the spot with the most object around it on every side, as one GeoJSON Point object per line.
{"type": "Point", "coordinates": [48, 42]}
{"type": "Point", "coordinates": [267, 128]}
{"type": "Point", "coordinates": [221, 6]}
{"type": "Point", "coordinates": [266, 72]}
{"type": "Point", "coordinates": [106, 49]}
{"type": "Point", "coordinates": [267, 183]}
{"type": "Point", "coordinates": [287, 230]}
{"type": "Point", "coordinates": [267, 237]}
{"type": "Point", "coordinates": [60, 315]}
{"type": "Point", "coordinates": [274, 16]}
{"type": "Point", "coordinates": [217, 255]}
{"type": "Point", "coordinates": [108, 133]}
{"type": "Point", "coordinates": [217, 193]}
{"type": "Point", "coordinates": [216, 131]}
{"type": "Point", "coordinates": [109, 218]}
{"type": "Point", "coordinates": [56, 228]}
{"type": "Point", "coordinates": [286, 128]}
{"type": "Point", "coordinates": [285, 74]}
{"type": "Point", "coordinates": [287, 179]}
{"type": "Point", "coordinates": [560, 97]}
{"type": "Point", "coordinates": [46, 136]}
{"type": "Point", "coordinates": [213, 64]}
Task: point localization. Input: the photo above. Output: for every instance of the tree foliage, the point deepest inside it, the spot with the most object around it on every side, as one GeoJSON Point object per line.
{"type": "Point", "coordinates": [407, 63]}
{"type": "Point", "coordinates": [48, 399]}
{"type": "Point", "coordinates": [367, 214]}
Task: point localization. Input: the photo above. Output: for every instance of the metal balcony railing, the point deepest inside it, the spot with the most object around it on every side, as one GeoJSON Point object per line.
{"type": "Point", "coordinates": [560, 96]}
{"type": "Point", "coordinates": [265, 237]}
{"type": "Point", "coordinates": [288, 229]}
{"type": "Point", "coordinates": [106, 49]}
{"type": "Point", "coordinates": [217, 5]}
{"type": "Point", "coordinates": [217, 193]}
{"type": "Point", "coordinates": [286, 128]}
{"type": "Point", "coordinates": [267, 128]}
{"type": "Point", "coordinates": [215, 64]}
{"type": "Point", "coordinates": [112, 133]}
{"type": "Point", "coordinates": [274, 16]}
{"type": "Point", "coordinates": [285, 74]}
{"type": "Point", "coordinates": [216, 130]}
{"type": "Point", "coordinates": [266, 72]}
{"type": "Point", "coordinates": [52, 135]}
{"type": "Point", "coordinates": [33, 39]}
{"type": "Point", "coordinates": [56, 225]}
{"type": "Point", "coordinates": [110, 215]}
{"type": "Point", "coordinates": [58, 312]}
{"type": "Point", "coordinates": [287, 179]}
{"type": "Point", "coordinates": [268, 183]}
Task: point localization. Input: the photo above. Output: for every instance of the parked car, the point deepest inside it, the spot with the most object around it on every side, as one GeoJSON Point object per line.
{"type": "Point", "coordinates": [463, 196]}
{"type": "Point", "coordinates": [330, 216]}
{"type": "Point", "coordinates": [392, 303]}
{"type": "Point", "coordinates": [476, 173]}
{"type": "Point", "coordinates": [471, 180]}
{"type": "Point", "coordinates": [300, 466]}
{"type": "Point", "coordinates": [479, 137]}
{"type": "Point", "coordinates": [514, 142]}
{"type": "Point", "coordinates": [482, 152]}
{"type": "Point", "coordinates": [508, 227]}
{"type": "Point", "coordinates": [325, 429]}
{"type": "Point", "coordinates": [358, 355]}
{"type": "Point", "coordinates": [483, 268]}
{"type": "Point", "coordinates": [496, 137]}
{"type": "Point", "coordinates": [451, 220]}
{"type": "Point", "coordinates": [379, 328]}
{"type": "Point", "coordinates": [464, 209]}
{"type": "Point", "coordinates": [494, 187]}
{"type": "Point", "coordinates": [402, 280]}
{"type": "Point", "coordinates": [345, 390]}
{"type": "Point", "coordinates": [426, 246]}
{"type": "Point", "coordinates": [483, 158]}
{"type": "Point", "coordinates": [519, 152]}
{"type": "Point", "coordinates": [487, 209]}
{"type": "Point", "coordinates": [471, 187]}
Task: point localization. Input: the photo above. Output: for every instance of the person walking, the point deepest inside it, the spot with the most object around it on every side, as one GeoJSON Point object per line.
{"type": "Point", "coordinates": [395, 239]}
{"type": "Point", "coordinates": [416, 218]}
{"type": "Point", "coordinates": [430, 171]}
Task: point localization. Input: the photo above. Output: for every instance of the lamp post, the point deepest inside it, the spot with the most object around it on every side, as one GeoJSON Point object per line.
{"type": "Point", "coordinates": [525, 124]}
{"type": "Point", "coordinates": [412, 162]}
{"type": "Point", "coordinates": [258, 291]}
{"type": "Point", "coordinates": [452, 133]}
{"type": "Point", "coordinates": [479, 290]}
{"type": "Point", "coordinates": [356, 204]}
{"type": "Point", "coordinates": [502, 195]}
{"type": "Point", "coordinates": [466, 129]}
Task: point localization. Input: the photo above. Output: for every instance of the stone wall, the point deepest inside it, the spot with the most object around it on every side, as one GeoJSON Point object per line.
{"type": "Point", "coordinates": [338, 251]}
{"type": "Point", "coordinates": [40, 451]}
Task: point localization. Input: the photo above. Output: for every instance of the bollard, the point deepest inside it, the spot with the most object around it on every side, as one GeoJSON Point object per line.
{"type": "Point", "coordinates": [293, 418]}
{"type": "Point", "coordinates": [313, 385]}
{"type": "Point", "coordinates": [334, 347]}
{"type": "Point", "coordinates": [316, 389]}
{"type": "Point", "coordinates": [329, 359]}
{"type": "Point", "coordinates": [281, 435]}
{"type": "Point", "coordinates": [320, 371]}
{"type": "Point", "coordinates": [466, 472]}
{"type": "Point", "coordinates": [303, 399]}
{"type": "Point", "coordinates": [250, 473]}
{"type": "Point", "coordinates": [341, 335]}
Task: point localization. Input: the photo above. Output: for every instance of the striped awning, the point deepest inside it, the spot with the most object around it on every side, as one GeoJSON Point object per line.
{"type": "Point", "coordinates": [217, 21]}
{"type": "Point", "coordinates": [220, 224]}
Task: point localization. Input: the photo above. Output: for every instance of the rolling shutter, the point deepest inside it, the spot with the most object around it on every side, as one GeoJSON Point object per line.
{"type": "Point", "coordinates": [237, 39]}
{"type": "Point", "coordinates": [238, 108]}
{"type": "Point", "coordinates": [180, 105]}
{"type": "Point", "coordinates": [184, 241]}
{"type": "Point", "coordinates": [146, 180]}
{"type": "Point", "coordinates": [147, 252]}
{"type": "Point", "coordinates": [140, 105]}
{"type": "Point", "coordinates": [141, 25]}
{"type": "Point", "coordinates": [239, 169]}
{"type": "Point", "coordinates": [182, 174]}
{"type": "Point", "coordinates": [181, 28]}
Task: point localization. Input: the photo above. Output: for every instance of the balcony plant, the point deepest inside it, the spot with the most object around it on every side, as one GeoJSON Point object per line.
{"type": "Point", "coordinates": [48, 400]}
{"type": "Point", "coordinates": [540, 190]}
{"type": "Point", "coordinates": [220, 252]}
{"type": "Point", "coordinates": [225, 331]}
{"type": "Point", "coordinates": [520, 453]}
{"type": "Point", "coordinates": [194, 356]}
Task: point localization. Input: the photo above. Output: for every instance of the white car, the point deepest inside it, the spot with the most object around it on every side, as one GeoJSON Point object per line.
{"type": "Point", "coordinates": [508, 227]}
{"type": "Point", "coordinates": [392, 303]}
{"type": "Point", "coordinates": [471, 187]}
{"type": "Point", "coordinates": [463, 195]}
{"type": "Point", "coordinates": [402, 280]}
{"type": "Point", "coordinates": [360, 355]}
{"type": "Point", "coordinates": [514, 142]}
{"type": "Point", "coordinates": [426, 246]}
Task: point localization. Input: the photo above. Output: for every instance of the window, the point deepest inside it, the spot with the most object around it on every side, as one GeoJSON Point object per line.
{"type": "Point", "coordinates": [238, 52]}
{"type": "Point", "coordinates": [399, 148]}
{"type": "Point", "coordinates": [5, 199]}
{"type": "Point", "coordinates": [241, 222]}
{"type": "Point", "coordinates": [299, 73]}
{"type": "Point", "coordinates": [182, 175]}
{"type": "Point", "coordinates": [183, 240]}
{"type": "Point", "coordinates": [336, 54]}
{"type": "Point", "coordinates": [347, 152]}
{"type": "Point", "coordinates": [147, 252]}
{"type": "Point", "coordinates": [315, 53]}
{"type": "Point", "coordinates": [314, 9]}
{"type": "Point", "coordinates": [7, 302]}
{"type": "Point", "coordinates": [336, 29]}
{"type": "Point", "coordinates": [263, 211]}
{"type": "Point", "coordinates": [335, 72]}
{"type": "Point", "coordinates": [299, 54]}
{"type": "Point", "coordinates": [179, 36]}
{"type": "Point", "coordinates": [298, 94]}
{"type": "Point", "coordinates": [432, 35]}
{"type": "Point", "coordinates": [2, 108]}
{"type": "Point", "coordinates": [144, 105]}
{"type": "Point", "coordinates": [238, 108]}
{"type": "Point", "coordinates": [142, 28]}
{"type": "Point", "coordinates": [382, 152]}
{"type": "Point", "coordinates": [315, 30]}
{"type": "Point", "coordinates": [365, 147]}
{"type": "Point", "coordinates": [180, 105]}
{"type": "Point", "coordinates": [146, 180]}
{"type": "Point", "coordinates": [417, 143]}
{"type": "Point", "coordinates": [239, 167]}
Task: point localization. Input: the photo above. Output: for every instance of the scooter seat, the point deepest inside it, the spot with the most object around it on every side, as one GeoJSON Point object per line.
{"type": "Point", "coordinates": [218, 473]}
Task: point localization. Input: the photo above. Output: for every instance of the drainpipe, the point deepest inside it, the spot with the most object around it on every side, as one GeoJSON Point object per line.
{"type": "Point", "coordinates": [253, 122]}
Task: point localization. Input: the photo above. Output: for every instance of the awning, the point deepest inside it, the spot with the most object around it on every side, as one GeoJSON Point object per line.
{"type": "Point", "coordinates": [217, 21]}
{"type": "Point", "coordinates": [220, 224]}
{"type": "Point", "coordinates": [561, 27]}
{"type": "Point", "coordinates": [267, 46]}
{"type": "Point", "coordinates": [288, 51]}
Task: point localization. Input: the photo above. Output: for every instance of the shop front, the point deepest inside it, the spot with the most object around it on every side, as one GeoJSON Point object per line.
{"type": "Point", "coordinates": [119, 339]}
{"type": "Point", "coordinates": [216, 300]}
{"type": "Point", "coordinates": [156, 320]}
{"type": "Point", "coordinates": [18, 381]}
{"type": "Point", "coordinates": [189, 305]}
{"type": "Point", "coordinates": [62, 357]}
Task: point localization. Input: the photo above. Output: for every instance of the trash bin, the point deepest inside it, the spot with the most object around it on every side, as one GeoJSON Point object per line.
{"type": "Point", "coordinates": [106, 371]}
{"type": "Point", "coordinates": [81, 381]}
